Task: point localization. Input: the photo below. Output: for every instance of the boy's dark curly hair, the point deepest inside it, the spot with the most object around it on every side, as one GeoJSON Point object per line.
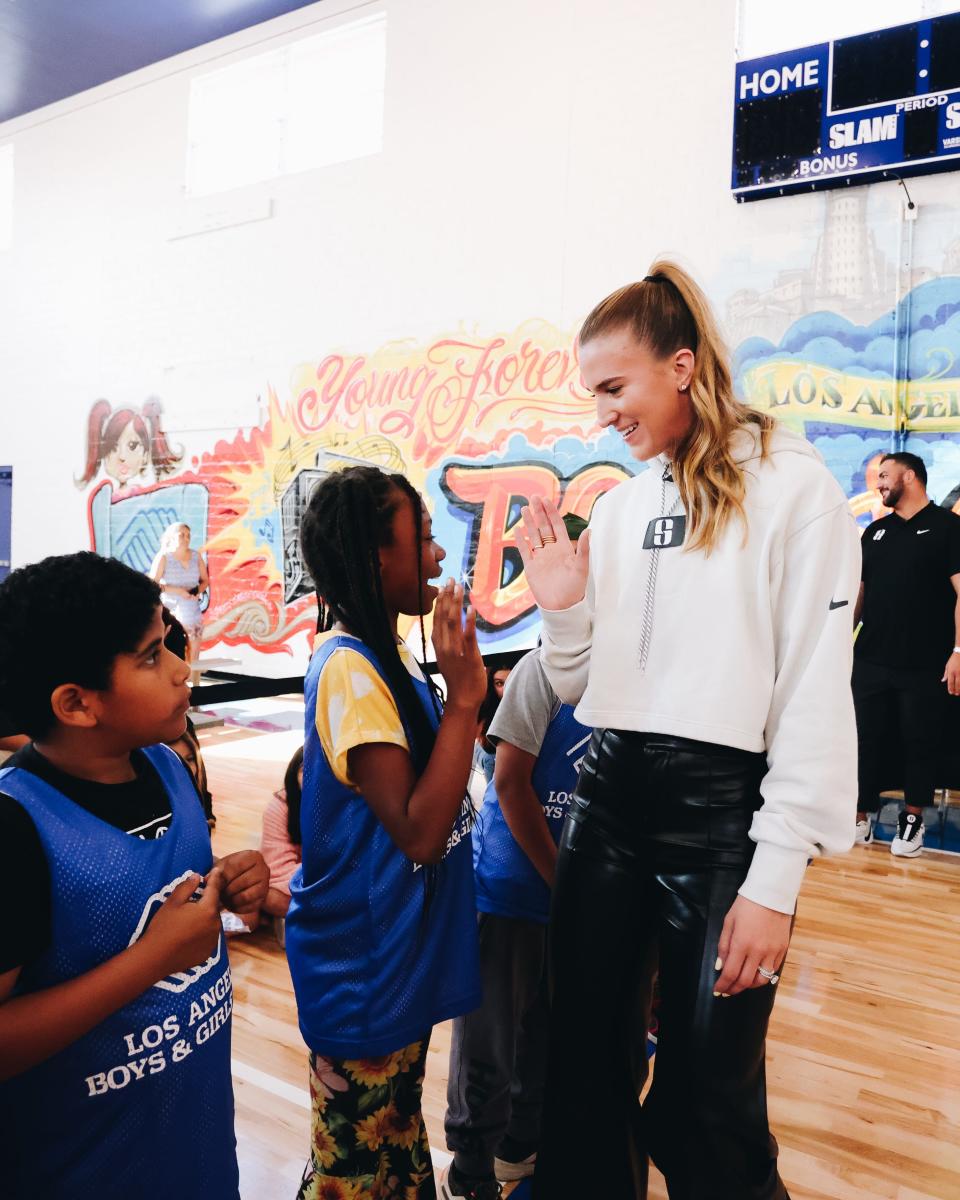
{"type": "Point", "coordinates": [64, 620]}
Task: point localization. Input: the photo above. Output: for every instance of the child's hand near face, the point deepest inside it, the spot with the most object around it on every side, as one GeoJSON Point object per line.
{"type": "Point", "coordinates": [246, 880]}
{"type": "Point", "coordinates": [458, 655]}
{"type": "Point", "coordinates": [185, 932]}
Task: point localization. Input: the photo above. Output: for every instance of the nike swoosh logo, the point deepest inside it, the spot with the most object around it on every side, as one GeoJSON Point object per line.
{"type": "Point", "coordinates": [919, 531]}
{"type": "Point", "coordinates": [838, 604]}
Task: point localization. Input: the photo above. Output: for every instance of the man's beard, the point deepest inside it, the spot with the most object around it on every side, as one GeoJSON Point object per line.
{"type": "Point", "coordinates": [894, 496]}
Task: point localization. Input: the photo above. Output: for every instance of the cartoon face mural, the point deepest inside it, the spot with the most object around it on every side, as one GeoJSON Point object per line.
{"type": "Point", "coordinates": [128, 457]}
{"type": "Point", "coordinates": [479, 424]}
{"type": "Point", "coordinates": [125, 443]}
{"type": "Point", "coordinates": [126, 513]}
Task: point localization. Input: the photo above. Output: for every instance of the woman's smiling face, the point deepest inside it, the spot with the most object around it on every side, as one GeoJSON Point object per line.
{"type": "Point", "coordinates": [637, 393]}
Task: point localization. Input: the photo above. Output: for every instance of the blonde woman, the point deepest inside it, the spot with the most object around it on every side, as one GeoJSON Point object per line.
{"type": "Point", "coordinates": [703, 629]}
{"type": "Point", "coordinates": [182, 574]}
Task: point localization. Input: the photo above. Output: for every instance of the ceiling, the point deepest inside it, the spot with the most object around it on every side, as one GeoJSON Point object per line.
{"type": "Point", "coordinates": [50, 49]}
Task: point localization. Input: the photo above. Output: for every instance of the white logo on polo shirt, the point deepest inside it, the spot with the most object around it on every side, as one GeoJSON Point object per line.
{"type": "Point", "coordinates": [879, 534]}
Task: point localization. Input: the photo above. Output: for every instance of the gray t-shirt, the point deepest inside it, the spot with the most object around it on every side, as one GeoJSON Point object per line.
{"type": "Point", "coordinates": [529, 704]}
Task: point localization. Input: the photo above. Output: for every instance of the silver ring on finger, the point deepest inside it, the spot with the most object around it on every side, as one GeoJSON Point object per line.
{"type": "Point", "coordinates": [770, 976]}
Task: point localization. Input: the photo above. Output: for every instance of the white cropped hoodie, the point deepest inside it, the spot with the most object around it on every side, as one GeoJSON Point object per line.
{"type": "Point", "coordinates": [750, 646]}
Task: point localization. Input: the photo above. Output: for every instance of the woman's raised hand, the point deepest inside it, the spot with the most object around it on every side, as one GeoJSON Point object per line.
{"type": "Point", "coordinates": [556, 569]}
{"type": "Point", "coordinates": [458, 655]}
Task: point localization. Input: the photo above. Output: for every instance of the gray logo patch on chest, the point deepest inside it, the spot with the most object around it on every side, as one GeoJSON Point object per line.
{"type": "Point", "coordinates": [665, 532]}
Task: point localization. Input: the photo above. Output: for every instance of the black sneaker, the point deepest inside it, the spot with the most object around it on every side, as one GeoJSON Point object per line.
{"type": "Point", "coordinates": [454, 1186]}
{"type": "Point", "coordinates": [909, 840]}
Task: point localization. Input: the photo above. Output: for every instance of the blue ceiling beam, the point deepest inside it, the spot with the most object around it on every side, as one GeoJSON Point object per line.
{"type": "Point", "coordinates": [51, 49]}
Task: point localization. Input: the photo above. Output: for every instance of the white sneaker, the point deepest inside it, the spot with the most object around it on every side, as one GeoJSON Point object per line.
{"type": "Point", "coordinates": [864, 834]}
{"type": "Point", "coordinates": [510, 1172]}
{"type": "Point", "coordinates": [515, 1160]}
{"type": "Point", "coordinates": [909, 840]}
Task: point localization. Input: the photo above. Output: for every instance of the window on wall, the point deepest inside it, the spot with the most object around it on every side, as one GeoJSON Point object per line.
{"type": "Point", "coordinates": [769, 26]}
{"type": "Point", "coordinates": [312, 103]}
{"type": "Point", "coordinates": [6, 196]}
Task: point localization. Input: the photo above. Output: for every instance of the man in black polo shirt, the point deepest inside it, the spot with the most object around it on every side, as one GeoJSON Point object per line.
{"type": "Point", "coordinates": [907, 655]}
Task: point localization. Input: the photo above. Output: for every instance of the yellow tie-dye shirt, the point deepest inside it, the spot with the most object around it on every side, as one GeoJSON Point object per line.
{"type": "Point", "coordinates": [355, 706]}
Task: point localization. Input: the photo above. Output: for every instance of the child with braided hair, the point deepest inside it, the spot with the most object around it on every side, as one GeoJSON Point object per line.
{"type": "Point", "coordinates": [381, 930]}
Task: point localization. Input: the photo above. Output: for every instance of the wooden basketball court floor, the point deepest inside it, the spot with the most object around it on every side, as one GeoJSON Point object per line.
{"type": "Point", "coordinates": [864, 1046]}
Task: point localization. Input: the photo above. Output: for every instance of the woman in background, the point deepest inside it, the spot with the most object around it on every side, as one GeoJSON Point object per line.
{"type": "Point", "coordinates": [182, 574]}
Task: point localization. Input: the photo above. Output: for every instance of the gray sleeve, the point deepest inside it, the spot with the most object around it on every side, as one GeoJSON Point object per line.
{"type": "Point", "coordinates": [527, 706]}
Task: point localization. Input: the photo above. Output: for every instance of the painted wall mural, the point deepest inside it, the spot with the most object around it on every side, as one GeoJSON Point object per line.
{"type": "Point", "coordinates": [829, 349]}
{"type": "Point", "coordinates": [477, 424]}
{"type": "Point", "coordinates": [838, 383]}
{"type": "Point", "coordinates": [480, 423]}
{"type": "Point", "coordinates": [127, 444]}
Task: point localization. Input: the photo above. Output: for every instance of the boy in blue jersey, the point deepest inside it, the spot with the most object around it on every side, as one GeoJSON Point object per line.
{"type": "Point", "coordinates": [498, 1052]}
{"type": "Point", "coordinates": [115, 990]}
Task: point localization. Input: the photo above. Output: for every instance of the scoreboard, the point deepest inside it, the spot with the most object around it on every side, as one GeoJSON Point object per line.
{"type": "Point", "coordinates": [849, 111]}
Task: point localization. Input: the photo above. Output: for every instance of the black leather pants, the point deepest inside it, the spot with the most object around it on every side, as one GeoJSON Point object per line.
{"type": "Point", "coordinates": [653, 852]}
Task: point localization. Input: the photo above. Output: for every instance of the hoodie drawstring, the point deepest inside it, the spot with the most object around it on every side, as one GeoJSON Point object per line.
{"type": "Point", "coordinates": [646, 625]}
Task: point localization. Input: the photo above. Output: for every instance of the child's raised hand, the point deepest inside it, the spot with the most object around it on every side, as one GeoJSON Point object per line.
{"type": "Point", "coordinates": [555, 568]}
{"type": "Point", "coordinates": [185, 931]}
{"type": "Point", "coordinates": [455, 644]}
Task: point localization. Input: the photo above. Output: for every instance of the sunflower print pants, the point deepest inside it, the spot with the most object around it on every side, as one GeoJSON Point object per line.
{"type": "Point", "coordinates": [368, 1138]}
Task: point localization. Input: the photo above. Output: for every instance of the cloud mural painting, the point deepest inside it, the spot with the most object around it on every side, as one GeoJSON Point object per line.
{"type": "Point", "coordinates": [851, 389]}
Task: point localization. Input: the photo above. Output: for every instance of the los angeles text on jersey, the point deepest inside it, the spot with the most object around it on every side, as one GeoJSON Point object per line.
{"type": "Point", "coordinates": [151, 1050]}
